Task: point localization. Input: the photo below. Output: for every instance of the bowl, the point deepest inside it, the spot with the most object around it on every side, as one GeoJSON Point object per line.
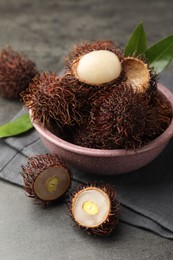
{"type": "Point", "coordinates": [108, 162]}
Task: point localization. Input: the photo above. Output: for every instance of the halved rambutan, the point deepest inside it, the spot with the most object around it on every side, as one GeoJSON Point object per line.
{"type": "Point", "coordinates": [95, 208]}
{"type": "Point", "coordinates": [46, 177]}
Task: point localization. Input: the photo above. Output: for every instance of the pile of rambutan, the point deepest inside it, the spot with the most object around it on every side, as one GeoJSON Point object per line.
{"type": "Point", "coordinates": [104, 100]}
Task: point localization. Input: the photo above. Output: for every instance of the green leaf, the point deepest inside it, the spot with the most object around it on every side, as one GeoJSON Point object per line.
{"type": "Point", "coordinates": [16, 127]}
{"type": "Point", "coordinates": [137, 43]}
{"type": "Point", "coordinates": [160, 54]}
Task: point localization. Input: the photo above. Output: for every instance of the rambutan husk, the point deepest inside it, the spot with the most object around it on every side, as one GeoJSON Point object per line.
{"type": "Point", "coordinates": [138, 74]}
{"type": "Point", "coordinates": [46, 178]}
{"type": "Point", "coordinates": [16, 72]}
{"type": "Point", "coordinates": [122, 118]}
{"type": "Point", "coordinates": [80, 50]}
{"type": "Point", "coordinates": [108, 221]}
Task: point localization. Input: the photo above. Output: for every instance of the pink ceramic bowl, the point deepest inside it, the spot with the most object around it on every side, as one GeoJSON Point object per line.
{"type": "Point", "coordinates": [107, 162]}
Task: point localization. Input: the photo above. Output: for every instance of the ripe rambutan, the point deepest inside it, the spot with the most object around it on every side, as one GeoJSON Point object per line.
{"type": "Point", "coordinates": [158, 118]}
{"type": "Point", "coordinates": [52, 103]}
{"type": "Point", "coordinates": [122, 118]}
{"type": "Point", "coordinates": [46, 177]}
{"type": "Point", "coordinates": [95, 208]}
{"type": "Point", "coordinates": [96, 63]}
{"type": "Point", "coordinates": [16, 72]}
{"type": "Point", "coordinates": [117, 119]}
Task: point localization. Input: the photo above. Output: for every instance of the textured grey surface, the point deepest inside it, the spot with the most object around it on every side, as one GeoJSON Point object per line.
{"type": "Point", "coordinates": [45, 30]}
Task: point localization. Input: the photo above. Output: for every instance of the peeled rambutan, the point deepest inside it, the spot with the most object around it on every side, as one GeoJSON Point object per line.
{"type": "Point", "coordinates": [16, 72]}
{"type": "Point", "coordinates": [46, 177]}
{"type": "Point", "coordinates": [96, 63]}
{"type": "Point", "coordinates": [95, 208]}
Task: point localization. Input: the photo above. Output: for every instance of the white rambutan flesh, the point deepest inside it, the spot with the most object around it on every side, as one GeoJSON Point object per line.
{"type": "Point", "coordinates": [98, 67]}
{"type": "Point", "coordinates": [91, 207]}
{"type": "Point", "coordinates": [95, 208]}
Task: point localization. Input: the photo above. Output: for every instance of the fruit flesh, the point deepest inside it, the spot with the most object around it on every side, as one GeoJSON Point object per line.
{"type": "Point", "coordinates": [98, 67]}
{"type": "Point", "coordinates": [52, 183]}
{"type": "Point", "coordinates": [91, 207]}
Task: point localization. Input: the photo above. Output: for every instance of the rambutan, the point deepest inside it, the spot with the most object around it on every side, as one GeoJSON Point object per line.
{"type": "Point", "coordinates": [52, 102]}
{"type": "Point", "coordinates": [46, 177]}
{"type": "Point", "coordinates": [117, 119]}
{"type": "Point", "coordinates": [96, 63]}
{"type": "Point", "coordinates": [16, 72]}
{"type": "Point", "coordinates": [122, 118]}
{"type": "Point", "coordinates": [95, 208]}
{"type": "Point", "coordinates": [158, 118]}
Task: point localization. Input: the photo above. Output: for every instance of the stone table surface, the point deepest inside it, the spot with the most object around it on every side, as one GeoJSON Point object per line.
{"type": "Point", "coordinates": [45, 31]}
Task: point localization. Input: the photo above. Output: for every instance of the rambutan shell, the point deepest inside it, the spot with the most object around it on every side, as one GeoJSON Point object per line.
{"type": "Point", "coordinates": [137, 73]}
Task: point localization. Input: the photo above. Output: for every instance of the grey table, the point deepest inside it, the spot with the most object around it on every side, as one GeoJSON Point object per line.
{"type": "Point", "coordinates": [45, 30]}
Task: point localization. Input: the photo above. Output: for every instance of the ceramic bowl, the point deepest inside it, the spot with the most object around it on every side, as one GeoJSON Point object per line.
{"type": "Point", "coordinates": [108, 162]}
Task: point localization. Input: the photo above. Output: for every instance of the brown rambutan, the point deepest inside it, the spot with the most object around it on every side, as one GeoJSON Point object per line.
{"type": "Point", "coordinates": [117, 119]}
{"type": "Point", "coordinates": [16, 71]}
{"type": "Point", "coordinates": [122, 118]}
{"type": "Point", "coordinates": [96, 63]}
{"type": "Point", "coordinates": [52, 102]}
{"type": "Point", "coordinates": [46, 177]}
{"type": "Point", "coordinates": [158, 118]}
{"type": "Point", "coordinates": [95, 208]}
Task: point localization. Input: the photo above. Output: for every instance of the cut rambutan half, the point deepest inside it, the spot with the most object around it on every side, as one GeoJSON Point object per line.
{"type": "Point", "coordinates": [46, 177]}
{"type": "Point", "coordinates": [95, 208]}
